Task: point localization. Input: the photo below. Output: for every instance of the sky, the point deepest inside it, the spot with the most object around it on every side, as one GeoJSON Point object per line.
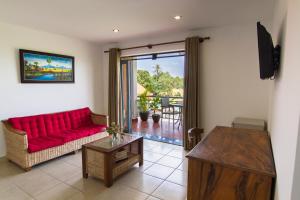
{"type": "Point", "coordinates": [42, 60]}
{"type": "Point", "coordinates": [173, 65]}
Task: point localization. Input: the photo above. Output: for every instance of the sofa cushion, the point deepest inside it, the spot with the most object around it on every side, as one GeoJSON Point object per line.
{"type": "Point", "coordinates": [34, 126]}
{"type": "Point", "coordinates": [80, 118]}
{"type": "Point", "coordinates": [90, 130]}
{"type": "Point", "coordinates": [41, 143]}
{"type": "Point", "coordinates": [57, 122]}
{"type": "Point", "coordinates": [66, 136]}
{"type": "Point", "coordinates": [70, 135]}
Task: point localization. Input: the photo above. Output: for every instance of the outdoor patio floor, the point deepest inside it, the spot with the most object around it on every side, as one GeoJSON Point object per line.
{"type": "Point", "coordinates": [161, 132]}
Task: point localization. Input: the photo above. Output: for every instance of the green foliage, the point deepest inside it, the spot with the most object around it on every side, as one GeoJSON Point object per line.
{"type": "Point", "coordinates": [160, 83]}
{"type": "Point", "coordinates": [154, 105]}
{"type": "Point", "coordinates": [113, 129]}
{"type": "Point", "coordinates": [143, 102]}
{"type": "Point", "coordinates": [178, 82]}
{"type": "Point", "coordinates": [145, 79]}
{"type": "Point", "coordinates": [49, 60]}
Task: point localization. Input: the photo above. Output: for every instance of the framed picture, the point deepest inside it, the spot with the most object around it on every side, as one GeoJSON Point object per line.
{"type": "Point", "coordinates": [40, 67]}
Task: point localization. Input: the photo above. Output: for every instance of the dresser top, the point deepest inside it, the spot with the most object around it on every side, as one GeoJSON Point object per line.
{"type": "Point", "coordinates": [238, 148]}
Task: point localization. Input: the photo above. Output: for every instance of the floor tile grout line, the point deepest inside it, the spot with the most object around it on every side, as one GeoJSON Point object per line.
{"type": "Point", "coordinates": [155, 176]}
{"type": "Point", "coordinates": [140, 190]}
{"type": "Point", "coordinates": [165, 165]}
{"type": "Point", "coordinates": [159, 184]}
{"type": "Point", "coordinates": [161, 178]}
{"type": "Point", "coordinates": [60, 181]}
{"type": "Point", "coordinates": [174, 169]}
{"type": "Point", "coordinates": [30, 195]}
{"type": "Point", "coordinates": [42, 190]}
{"type": "Point", "coordinates": [166, 154]}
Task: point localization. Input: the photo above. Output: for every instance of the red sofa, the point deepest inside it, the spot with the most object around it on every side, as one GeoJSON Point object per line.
{"type": "Point", "coordinates": [63, 132]}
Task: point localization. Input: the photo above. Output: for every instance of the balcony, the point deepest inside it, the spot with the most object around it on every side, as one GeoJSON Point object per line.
{"type": "Point", "coordinates": [169, 128]}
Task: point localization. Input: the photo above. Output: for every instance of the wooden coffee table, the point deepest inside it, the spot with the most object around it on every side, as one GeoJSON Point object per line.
{"type": "Point", "coordinates": [98, 157]}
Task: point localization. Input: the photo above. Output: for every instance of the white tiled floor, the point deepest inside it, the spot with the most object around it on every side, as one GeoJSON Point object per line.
{"type": "Point", "coordinates": [163, 176]}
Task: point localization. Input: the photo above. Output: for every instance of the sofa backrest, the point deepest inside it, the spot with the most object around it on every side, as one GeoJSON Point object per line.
{"type": "Point", "coordinates": [80, 118]}
{"type": "Point", "coordinates": [51, 124]}
{"type": "Point", "coordinates": [34, 126]}
{"type": "Point", "coordinates": [57, 122]}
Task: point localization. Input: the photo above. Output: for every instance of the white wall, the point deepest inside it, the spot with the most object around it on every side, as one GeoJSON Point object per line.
{"type": "Point", "coordinates": [230, 78]}
{"type": "Point", "coordinates": [296, 177]}
{"type": "Point", "coordinates": [286, 100]}
{"type": "Point", "coordinates": [18, 99]}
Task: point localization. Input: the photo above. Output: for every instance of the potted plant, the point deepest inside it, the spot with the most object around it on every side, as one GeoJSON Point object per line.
{"type": "Point", "coordinates": [113, 130]}
{"type": "Point", "coordinates": [143, 106]}
{"type": "Point", "coordinates": [154, 106]}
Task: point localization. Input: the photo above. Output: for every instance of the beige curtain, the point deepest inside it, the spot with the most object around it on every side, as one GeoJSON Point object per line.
{"type": "Point", "coordinates": [114, 85]}
{"type": "Point", "coordinates": [192, 95]}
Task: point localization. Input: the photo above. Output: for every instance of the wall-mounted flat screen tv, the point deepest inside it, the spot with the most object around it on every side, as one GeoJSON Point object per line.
{"type": "Point", "coordinates": [268, 55]}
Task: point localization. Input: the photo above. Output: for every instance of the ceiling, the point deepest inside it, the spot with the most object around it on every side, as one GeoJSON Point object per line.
{"type": "Point", "coordinates": [94, 20]}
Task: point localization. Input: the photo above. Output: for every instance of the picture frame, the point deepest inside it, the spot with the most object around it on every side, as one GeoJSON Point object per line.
{"type": "Point", "coordinates": [42, 67]}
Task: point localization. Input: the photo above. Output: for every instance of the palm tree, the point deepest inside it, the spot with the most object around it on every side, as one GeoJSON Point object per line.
{"type": "Point", "coordinates": [36, 65]}
{"type": "Point", "coordinates": [49, 60]}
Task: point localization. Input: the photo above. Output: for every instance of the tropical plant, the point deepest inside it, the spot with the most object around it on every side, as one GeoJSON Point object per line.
{"type": "Point", "coordinates": [160, 83]}
{"type": "Point", "coordinates": [143, 102]}
{"type": "Point", "coordinates": [36, 65]}
{"type": "Point", "coordinates": [154, 105]}
{"type": "Point", "coordinates": [145, 79]}
{"type": "Point", "coordinates": [144, 106]}
{"type": "Point", "coordinates": [49, 60]}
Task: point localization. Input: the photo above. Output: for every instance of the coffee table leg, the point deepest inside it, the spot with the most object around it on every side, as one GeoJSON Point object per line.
{"type": "Point", "coordinates": [141, 152]}
{"type": "Point", "coordinates": [108, 169]}
{"type": "Point", "coordinates": [84, 172]}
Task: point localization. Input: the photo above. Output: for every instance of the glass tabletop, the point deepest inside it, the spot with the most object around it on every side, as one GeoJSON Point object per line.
{"type": "Point", "coordinates": [108, 144]}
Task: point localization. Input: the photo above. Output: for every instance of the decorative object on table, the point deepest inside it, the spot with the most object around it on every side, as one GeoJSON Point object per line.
{"type": "Point", "coordinates": [113, 130]}
{"type": "Point", "coordinates": [155, 106]}
{"type": "Point", "coordinates": [144, 106]}
{"type": "Point", "coordinates": [40, 67]}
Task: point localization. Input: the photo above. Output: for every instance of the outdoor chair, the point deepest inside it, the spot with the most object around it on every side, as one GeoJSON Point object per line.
{"type": "Point", "coordinates": [168, 109]}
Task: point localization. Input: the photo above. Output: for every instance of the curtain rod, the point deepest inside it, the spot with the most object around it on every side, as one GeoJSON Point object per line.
{"type": "Point", "coordinates": [149, 46]}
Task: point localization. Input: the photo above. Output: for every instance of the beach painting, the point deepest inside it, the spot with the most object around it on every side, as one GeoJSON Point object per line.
{"type": "Point", "coordinates": [40, 67]}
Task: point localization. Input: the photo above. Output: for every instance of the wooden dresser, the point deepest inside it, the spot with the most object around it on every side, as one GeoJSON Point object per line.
{"type": "Point", "coordinates": [229, 164]}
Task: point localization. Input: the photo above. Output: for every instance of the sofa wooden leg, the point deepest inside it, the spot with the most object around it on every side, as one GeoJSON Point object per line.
{"type": "Point", "coordinates": [27, 169]}
{"type": "Point", "coordinates": [21, 167]}
{"type": "Point", "coordinates": [73, 152]}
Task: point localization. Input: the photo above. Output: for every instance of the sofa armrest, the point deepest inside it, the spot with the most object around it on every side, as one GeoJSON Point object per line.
{"type": "Point", "coordinates": [100, 119]}
{"type": "Point", "coordinates": [14, 138]}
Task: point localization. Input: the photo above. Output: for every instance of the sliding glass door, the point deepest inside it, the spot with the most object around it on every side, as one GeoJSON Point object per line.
{"type": "Point", "coordinates": [152, 95]}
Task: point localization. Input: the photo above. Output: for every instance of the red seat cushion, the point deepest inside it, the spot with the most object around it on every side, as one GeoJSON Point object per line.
{"type": "Point", "coordinates": [71, 135]}
{"type": "Point", "coordinates": [67, 136]}
{"type": "Point", "coordinates": [41, 143]}
{"type": "Point", "coordinates": [90, 130]}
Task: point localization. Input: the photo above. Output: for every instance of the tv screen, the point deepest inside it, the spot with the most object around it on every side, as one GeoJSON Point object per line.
{"type": "Point", "coordinates": [266, 52]}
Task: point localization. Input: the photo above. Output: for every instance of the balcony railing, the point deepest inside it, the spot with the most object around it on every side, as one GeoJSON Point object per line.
{"type": "Point", "coordinates": [172, 100]}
